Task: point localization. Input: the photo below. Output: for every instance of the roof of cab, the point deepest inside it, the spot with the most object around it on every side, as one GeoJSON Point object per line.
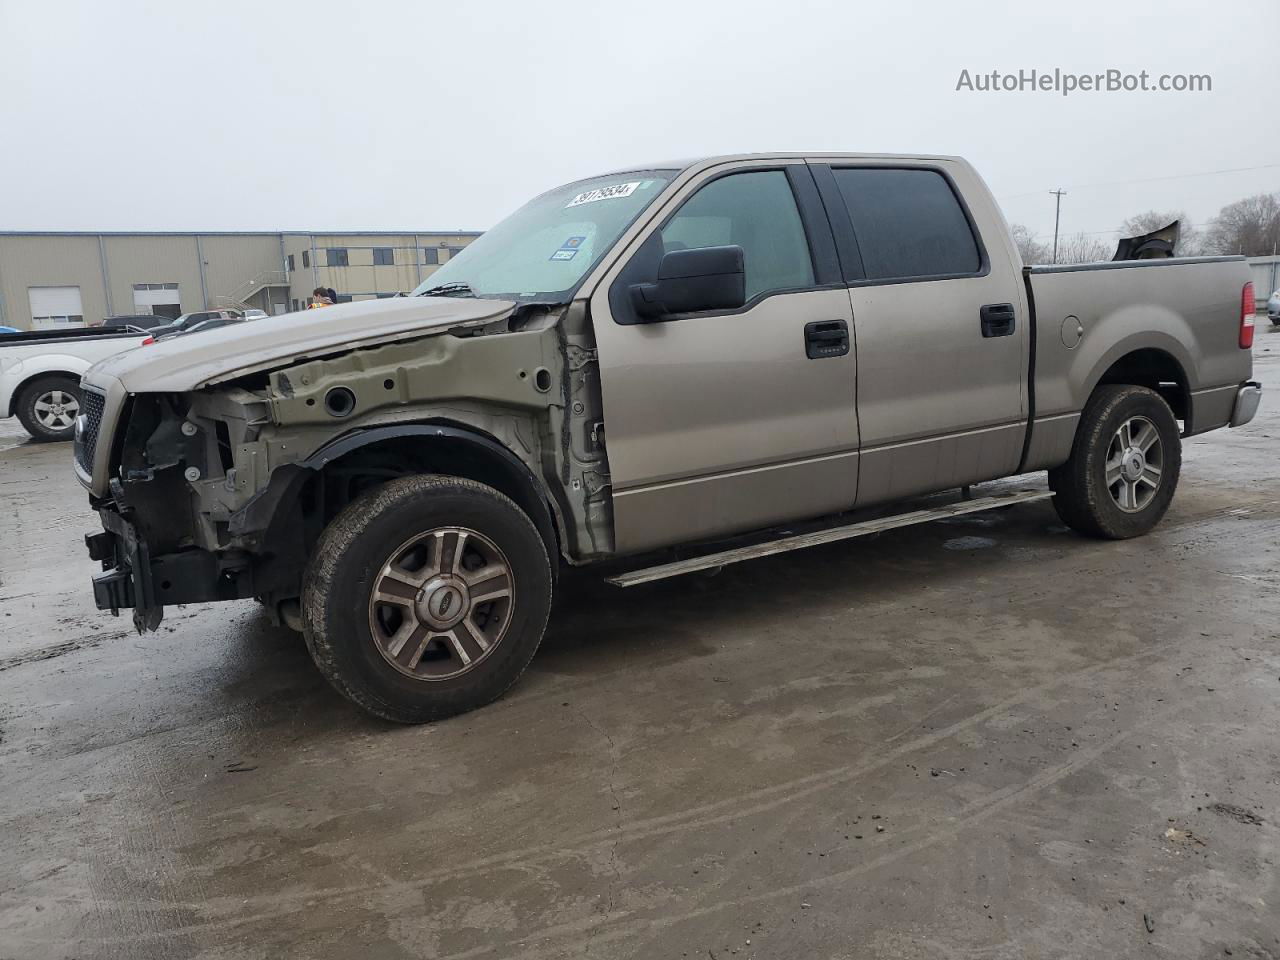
{"type": "Point", "coordinates": [716, 159]}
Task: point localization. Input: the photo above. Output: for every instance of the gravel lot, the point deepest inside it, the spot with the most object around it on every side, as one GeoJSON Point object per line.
{"type": "Point", "coordinates": [984, 738]}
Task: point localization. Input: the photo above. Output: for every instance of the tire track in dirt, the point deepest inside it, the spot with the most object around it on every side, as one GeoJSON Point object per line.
{"type": "Point", "coordinates": [535, 858]}
{"type": "Point", "coordinates": [560, 939]}
{"type": "Point", "coordinates": [59, 649]}
{"type": "Point", "coordinates": [971, 814]}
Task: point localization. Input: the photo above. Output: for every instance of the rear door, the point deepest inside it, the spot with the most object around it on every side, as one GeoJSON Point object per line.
{"type": "Point", "coordinates": [940, 323]}
{"type": "Point", "coordinates": [731, 420]}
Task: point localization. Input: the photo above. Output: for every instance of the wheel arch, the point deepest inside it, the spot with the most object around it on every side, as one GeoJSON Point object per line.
{"type": "Point", "coordinates": [301, 499]}
{"type": "Point", "coordinates": [68, 370]}
{"type": "Point", "coordinates": [1156, 369]}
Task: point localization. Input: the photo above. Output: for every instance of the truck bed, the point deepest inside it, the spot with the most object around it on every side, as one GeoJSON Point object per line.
{"type": "Point", "coordinates": [73, 335]}
{"type": "Point", "coordinates": [1178, 320]}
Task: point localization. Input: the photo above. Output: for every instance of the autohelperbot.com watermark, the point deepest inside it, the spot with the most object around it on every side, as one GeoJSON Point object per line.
{"type": "Point", "coordinates": [1065, 83]}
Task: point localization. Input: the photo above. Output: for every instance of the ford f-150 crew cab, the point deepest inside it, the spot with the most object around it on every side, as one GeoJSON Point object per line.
{"type": "Point", "coordinates": [663, 355]}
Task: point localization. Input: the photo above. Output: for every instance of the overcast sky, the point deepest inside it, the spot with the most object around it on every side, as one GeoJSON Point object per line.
{"type": "Point", "coordinates": [336, 114]}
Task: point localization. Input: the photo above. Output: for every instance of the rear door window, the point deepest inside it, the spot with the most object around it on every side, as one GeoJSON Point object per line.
{"type": "Point", "coordinates": [908, 222]}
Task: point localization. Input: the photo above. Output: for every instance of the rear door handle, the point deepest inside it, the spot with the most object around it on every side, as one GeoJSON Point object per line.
{"type": "Point", "coordinates": [997, 320]}
{"type": "Point", "coordinates": [826, 338]}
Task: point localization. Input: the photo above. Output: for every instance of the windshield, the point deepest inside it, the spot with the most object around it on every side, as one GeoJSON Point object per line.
{"type": "Point", "coordinates": [544, 249]}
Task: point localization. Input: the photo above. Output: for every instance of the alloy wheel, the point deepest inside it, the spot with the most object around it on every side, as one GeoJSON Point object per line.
{"type": "Point", "coordinates": [56, 409]}
{"type": "Point", "coordinates": [1135, 461]}
{"type": "Point", "coordinates": [441, 603]}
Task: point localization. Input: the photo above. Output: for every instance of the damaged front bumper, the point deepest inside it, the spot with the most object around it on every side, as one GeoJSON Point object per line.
{"type": "Point", "coordinates": [133, 579]}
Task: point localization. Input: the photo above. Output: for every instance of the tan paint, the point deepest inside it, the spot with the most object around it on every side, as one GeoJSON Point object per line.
{"type": "Point", "coordinates": [188, 363]}
{"type": "Point", "coordinates": [714, 424]}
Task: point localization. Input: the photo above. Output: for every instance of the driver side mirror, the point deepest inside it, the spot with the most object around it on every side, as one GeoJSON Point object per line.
{"type": "Point", "coordinates": [705, 278]}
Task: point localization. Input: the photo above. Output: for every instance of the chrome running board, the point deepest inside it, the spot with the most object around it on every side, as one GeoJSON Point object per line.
{"type": "Point", "coordinates": [830, 535]}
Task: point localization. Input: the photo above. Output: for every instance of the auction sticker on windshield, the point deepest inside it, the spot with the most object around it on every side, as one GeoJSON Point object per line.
{"type": "Point", "coordinates": [613, 192]}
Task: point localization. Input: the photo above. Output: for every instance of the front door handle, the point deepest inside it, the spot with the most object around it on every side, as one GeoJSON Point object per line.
{"type": "Point", "coordinates": [997, 320]}
{"type": "Point", "coordinates": [826, 338]}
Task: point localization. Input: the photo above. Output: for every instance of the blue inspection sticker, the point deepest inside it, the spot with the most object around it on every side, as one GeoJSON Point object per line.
{"type": "Point", "coordinates": [564, 254]}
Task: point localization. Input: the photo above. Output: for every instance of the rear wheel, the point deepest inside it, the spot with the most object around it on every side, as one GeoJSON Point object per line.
{"type": "Point", "coordinates": [1124, 465]}
{"type": "Point", "coordinates": [426, 597]}
{"type": "Point", "coordinates": [48, 407]}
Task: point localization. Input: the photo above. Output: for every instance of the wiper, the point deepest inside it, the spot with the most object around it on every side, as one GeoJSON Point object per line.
{"type": "Point", "coordinates": [455, 287]}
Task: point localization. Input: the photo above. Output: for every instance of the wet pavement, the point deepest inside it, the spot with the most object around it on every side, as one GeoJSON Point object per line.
{"type": "Point", "coordinates": [986, 738]}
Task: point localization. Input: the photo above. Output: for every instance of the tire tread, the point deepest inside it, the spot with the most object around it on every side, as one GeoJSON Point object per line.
{"type": "Point", "coordinates": [1079, 500]}
{"type": "Point", "coordinates": [322, 579]}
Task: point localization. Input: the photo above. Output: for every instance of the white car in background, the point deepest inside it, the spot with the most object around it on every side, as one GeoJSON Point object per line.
{"type": "Point", "coordinates": [40, 375]}
{"type": "Point", "coordinates": [1273, 309]}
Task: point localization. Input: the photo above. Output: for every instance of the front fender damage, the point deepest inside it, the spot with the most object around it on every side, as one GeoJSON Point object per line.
{"type": "Point", "coordinates": [221, 492]}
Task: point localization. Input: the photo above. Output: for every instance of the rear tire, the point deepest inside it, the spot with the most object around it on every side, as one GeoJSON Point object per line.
{"type": "Point", "coordinates": [1124, 464]}
{"type": "Point", "coordinates": [426, 597]}
{"type": "Point", "coordinates": [48, 406]}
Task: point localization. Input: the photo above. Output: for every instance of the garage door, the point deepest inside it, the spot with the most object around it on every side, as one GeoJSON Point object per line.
{"type": "Point", "coordinates": [55, 307]}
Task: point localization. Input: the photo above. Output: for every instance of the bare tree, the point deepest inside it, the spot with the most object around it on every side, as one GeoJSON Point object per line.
{"type": "Point", "coordinates": [1031, 250]}
{"type": "Point", "coordinates": [1250, 226]}
{"type": "Point", "coordinates": [1190, 241]}
{"type": "Point", "coordinates": [1082, 248]}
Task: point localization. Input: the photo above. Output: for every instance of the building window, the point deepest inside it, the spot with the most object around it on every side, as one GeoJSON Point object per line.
{"type": "Point", "coordinates": [289, 262]}
{"type": "Point", "coordinates": [306, 258]}
{"type": "Point", "coordinates": [336, 256]}
{"type": "Point", "coordinates": [383, 257]}
{"type": "Point", "coordinates": [344, 297]}
{"type": "Point", "coordinates": [155, 286]}
{"type": "Point", "coordinates": [453, 251]}
{"type": "Point", "coordinates": [294, 304]}
{"type": "Point", "coordinates": [385, 296]}
{"type": "Point", "coordinates": [430, 255]}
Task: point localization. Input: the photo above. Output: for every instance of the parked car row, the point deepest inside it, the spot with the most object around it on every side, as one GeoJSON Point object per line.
{"type": "Point", "coordinates": [40, 370]}
{"type": "Point", "coordinates": [135, 321]}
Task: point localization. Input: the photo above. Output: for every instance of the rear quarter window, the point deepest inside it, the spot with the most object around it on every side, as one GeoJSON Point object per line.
{"type": "Point", "coordinates": [908, 223]}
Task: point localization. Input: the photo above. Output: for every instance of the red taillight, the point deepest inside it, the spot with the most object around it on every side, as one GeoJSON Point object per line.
{"type": "Point", "coordinates": [1247, 310]}
{"type": "Point", "coordinates": [153, 340]}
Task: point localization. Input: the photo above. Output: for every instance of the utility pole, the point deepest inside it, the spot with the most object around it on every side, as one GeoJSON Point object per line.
{"type": "Point", "coordinates": [1057, 210]}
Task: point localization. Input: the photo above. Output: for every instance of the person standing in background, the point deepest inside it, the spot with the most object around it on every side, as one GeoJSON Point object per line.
{"type": "Point", "coordinates": [320, 297]}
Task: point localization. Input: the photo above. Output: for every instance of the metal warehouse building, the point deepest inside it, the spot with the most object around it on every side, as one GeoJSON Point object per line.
{"type": "Point", "coordinates": [56, 279]}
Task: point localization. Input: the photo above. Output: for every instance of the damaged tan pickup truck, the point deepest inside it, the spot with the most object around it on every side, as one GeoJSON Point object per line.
{"type": "Point", "coordinates": [660, 356]}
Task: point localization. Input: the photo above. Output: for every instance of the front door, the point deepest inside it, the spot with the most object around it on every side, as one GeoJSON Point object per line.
{"type": "Point", "coordinates": [731, 420]}
{"type": "Point", "coordinates": [941, 327]}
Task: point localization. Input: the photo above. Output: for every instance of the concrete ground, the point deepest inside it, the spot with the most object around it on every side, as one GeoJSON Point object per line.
{"type": "Point", "coordinates": [985, 738]}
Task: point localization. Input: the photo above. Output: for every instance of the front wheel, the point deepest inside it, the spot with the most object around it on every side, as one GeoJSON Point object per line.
{"type": "Point", "coordinates": [1124, 464]}
{"type": "Point", "coordinates": [426, 597]}
{"type": "Point", "coordinates": [48, 407]}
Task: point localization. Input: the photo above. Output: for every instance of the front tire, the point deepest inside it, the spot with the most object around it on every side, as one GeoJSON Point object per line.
{"type": "Point", "coordinates": [426, 597]}
{"type": "Point", "coordinates": [48, 406]}
{"type": "Point", "coordinates": [1124, 464]}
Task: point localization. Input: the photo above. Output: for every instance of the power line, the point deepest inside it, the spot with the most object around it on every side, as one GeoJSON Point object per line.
{"type": "Point", "coordinates": [1175, 176]}
{"type": "Point", "coordinates": [1198, 224]}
